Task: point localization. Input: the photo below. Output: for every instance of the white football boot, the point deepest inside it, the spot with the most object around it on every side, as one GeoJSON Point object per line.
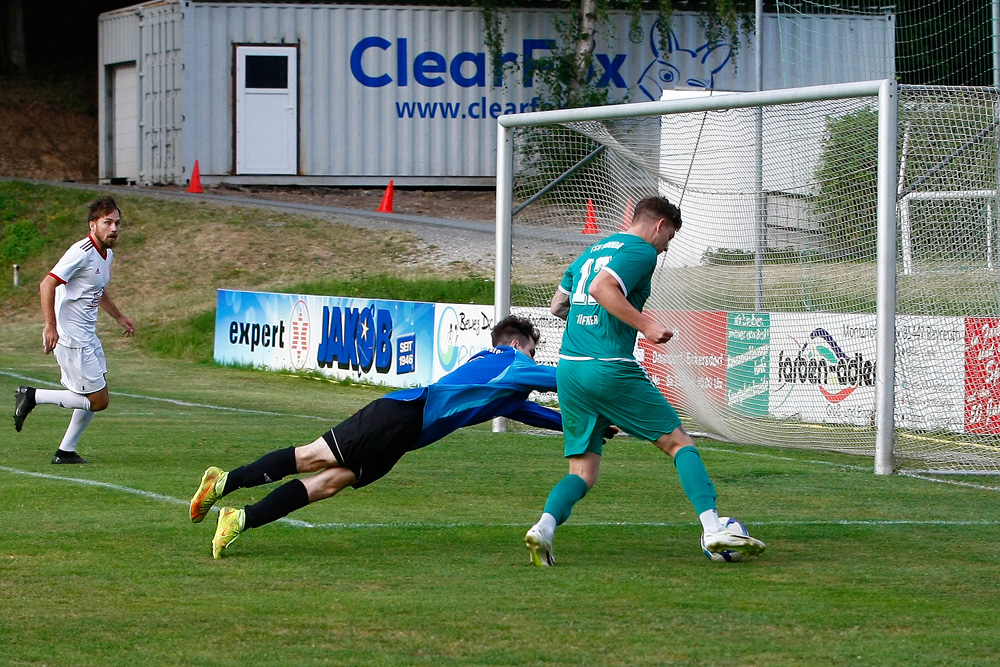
{"type": "Point", "coordinates": [726, 540]}
{"type": "Point", "coordinates": [539, 547]}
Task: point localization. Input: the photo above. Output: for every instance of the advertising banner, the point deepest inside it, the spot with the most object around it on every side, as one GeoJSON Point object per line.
{"type": "Point", "coordinates": [460, 331]}
{"type": "Point", "coordinates": [930, 374]}
{"type": "Point", "coordinates": [380, 341]}
{"type": "Point", "coordinates": [823, 367]}
{"type": "Point", "coordinates": [810, 367]}
{"type": "Point", "coordinates": [696, 356]}
{"type": "Point", "coordinates": [748, 363]}
{"type": "Point", "coordinates": [982, 372]}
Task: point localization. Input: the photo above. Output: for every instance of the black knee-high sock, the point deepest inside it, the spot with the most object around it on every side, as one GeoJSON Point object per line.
{"type": "Point", "coordinates": [282, 501]}
{"type": "Point", "coordinates": [269, 468]}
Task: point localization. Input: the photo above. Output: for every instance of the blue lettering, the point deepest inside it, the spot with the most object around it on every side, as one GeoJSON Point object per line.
{"type": "Point", "coordinates": [479, 76]}
{"type": "Point", "coordinates": [356, 338]}
{"type": "Point", "coordinates": [429, 109]}
{"type": "Point", "coordinates": [366, 338]}
{"type": "Point", "coordinates": [349, 358]}
{"type": "Point", "coordinates": [331, 342]}
{"type": "Point", "coordinates": [429, 62]}
{"type": "Point", "coordinates": [504, 59]}
{"type": "Point", "coordinates": [468, 69]}
{"type": "Point", "coordinates": [401, 61]}
{"type": "Point", "coordinates": [383, 342]}
{"type": "Point", "coordinates": [358, 52]}
{"type": "Point", "coordinates": [612, 70]}
{"type": "Point", "coordinates": [530, 46]}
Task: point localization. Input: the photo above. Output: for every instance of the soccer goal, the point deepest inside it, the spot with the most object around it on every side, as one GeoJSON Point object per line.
{"type": "Point", "coordinates": [796, 324]}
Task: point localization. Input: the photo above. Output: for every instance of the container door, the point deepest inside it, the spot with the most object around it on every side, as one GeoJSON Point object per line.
{"type": "Point", "coordinates": [125, 123]}
{"type": "Point", "coordinates": [266, 110]}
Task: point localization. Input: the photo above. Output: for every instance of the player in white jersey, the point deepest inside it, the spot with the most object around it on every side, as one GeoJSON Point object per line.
{"type": "Point", "coordinates": [71, 294]}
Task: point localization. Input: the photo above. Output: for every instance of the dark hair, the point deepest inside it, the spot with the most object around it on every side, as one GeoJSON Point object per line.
{"type": "Point", "coordinates": [102, 207]}
{"type": "Point", "coordinates": [512, 327]}
{"type": "Point", "coordinates": [658, 207]}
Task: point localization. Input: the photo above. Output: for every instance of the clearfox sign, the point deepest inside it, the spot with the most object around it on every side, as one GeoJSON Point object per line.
{"type": "Point", "coordinates": [435, 79]}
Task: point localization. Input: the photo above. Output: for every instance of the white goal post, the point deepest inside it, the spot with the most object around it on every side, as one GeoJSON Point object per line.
{"type": "Point", "coordinates": [882, 94]}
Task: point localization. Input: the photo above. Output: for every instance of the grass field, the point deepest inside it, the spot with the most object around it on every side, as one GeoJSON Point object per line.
{"type": "Point", "coordinates": [99, 564]}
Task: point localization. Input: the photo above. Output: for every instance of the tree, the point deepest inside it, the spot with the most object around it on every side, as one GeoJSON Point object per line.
{"type": "Point", "coordinates": [565, 74]}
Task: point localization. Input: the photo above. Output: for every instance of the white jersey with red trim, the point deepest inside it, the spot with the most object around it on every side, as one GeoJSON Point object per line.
{"type": "Point", "coordinates": [83, 274]}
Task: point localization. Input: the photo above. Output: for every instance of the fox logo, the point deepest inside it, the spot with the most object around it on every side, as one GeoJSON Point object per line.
{"type": "Point", "coordinates": [681, 67]}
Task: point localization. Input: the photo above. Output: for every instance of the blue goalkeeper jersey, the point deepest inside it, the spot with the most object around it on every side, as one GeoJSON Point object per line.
{"type": "Point", "coordinates": [494, 383]}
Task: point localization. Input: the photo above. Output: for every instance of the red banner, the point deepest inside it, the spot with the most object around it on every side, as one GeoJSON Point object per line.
{"type": "Point", "coordinates": [697, 351]}
{"type": "Point", "coordinates": [982, 372]}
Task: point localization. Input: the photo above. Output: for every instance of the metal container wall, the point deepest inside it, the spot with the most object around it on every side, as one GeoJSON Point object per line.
{"type": "Point", "coordinates": [117, 42]}
{"type": "Point", "coordinates": [118, 36]}
{"type": "Point", "coordinates": [160, 84]}
{"type": "Point", "coordinates": [408, 92]}
{"type": "Point", "coordinates": [149, 36]}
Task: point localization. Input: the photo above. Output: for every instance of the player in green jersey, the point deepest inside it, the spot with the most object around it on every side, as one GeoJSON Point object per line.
{"type": "Point", "coordinates": [600, 383]}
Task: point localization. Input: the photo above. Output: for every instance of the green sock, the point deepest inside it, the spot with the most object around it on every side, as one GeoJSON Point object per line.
{"type": "Point", "coordinates": [564, 495]}
{"type": "Point", "coordinates": [694, 479]}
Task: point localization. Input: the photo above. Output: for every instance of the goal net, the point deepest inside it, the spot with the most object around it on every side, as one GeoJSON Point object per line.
{"type": "Point", "coordinates": [798, 323]}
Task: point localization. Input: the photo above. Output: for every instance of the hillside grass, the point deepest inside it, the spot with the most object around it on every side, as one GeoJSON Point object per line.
{"type": "Point", "coordinates": [173, 256]}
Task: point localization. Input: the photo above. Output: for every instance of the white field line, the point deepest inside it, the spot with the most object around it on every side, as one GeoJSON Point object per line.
{"type": "Point", "coordinates": [121, 489]}
{"type": "Point", "coordinates": [480, 524]}
{"type": "Point", "coordinates": [172, 401]}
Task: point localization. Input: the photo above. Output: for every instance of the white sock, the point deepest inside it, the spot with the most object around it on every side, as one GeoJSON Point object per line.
{"type": "Point", "coordinates": [547, 524]}
{"type": "Point", "coordinates": [64, 398]}
{"type": "Point", "coordinates": [710, 521]}
{"type": "Point", "coordinates": [77, 425]}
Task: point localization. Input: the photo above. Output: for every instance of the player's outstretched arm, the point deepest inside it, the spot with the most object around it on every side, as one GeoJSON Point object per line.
{"type": "Point", "coordinates": [108, 306]}
{"type": "Point", "coordinates": [532, 414]}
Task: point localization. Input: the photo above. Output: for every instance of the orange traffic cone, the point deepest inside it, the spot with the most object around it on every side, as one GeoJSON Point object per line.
{"type": "Point", "coordinates": [627, 218]}
{"type": "Point", "coordinates": [386, 205]}
{"type": "Point", "coordinates": [195, 185]}
{"type": "Point", "coordinates": [590, 227]}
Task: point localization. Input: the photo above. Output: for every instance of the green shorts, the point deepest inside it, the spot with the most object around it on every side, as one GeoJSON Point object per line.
{"type": "Point", "coordinates": [596, 394]}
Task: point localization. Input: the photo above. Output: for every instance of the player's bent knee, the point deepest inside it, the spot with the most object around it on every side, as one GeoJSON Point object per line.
{"type": "Point", "coordinates": [671, 442]}
{"type": "Point", "coordinates": [329, 482]}
{"type": "Point", "coordinates": [317, 455]}
{"type": "Point", "coordinates": [99, 401]}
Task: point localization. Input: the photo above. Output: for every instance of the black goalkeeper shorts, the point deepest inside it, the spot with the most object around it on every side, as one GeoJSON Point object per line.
{"type": "Point", "coordinates": [373, 439]}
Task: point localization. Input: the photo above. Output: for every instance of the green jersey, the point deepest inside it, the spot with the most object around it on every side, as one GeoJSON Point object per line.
{"type": "Point", "coordinates": [591, 331]}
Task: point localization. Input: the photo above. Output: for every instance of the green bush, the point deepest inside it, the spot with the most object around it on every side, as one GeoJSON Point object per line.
{"type": "Point", "coordinates": [191, 339]}
{"type": "Point", "coordinates": [461, 290]}
{"type": "Point", "coordinates": [736, 257]}
{"type": "Point", "coordinates": [20, 240]}
{"type": "Point", "coordinates": [848, 176]}
{"type": "Point", "coordinates": [950, 145]}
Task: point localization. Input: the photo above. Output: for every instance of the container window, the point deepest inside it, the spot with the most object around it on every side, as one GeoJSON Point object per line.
{"type": "Point", "coordinates": [266, 72]}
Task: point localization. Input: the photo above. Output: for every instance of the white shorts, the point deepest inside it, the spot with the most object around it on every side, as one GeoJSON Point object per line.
{"type": "Point", "coordinates": [83, 368]}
